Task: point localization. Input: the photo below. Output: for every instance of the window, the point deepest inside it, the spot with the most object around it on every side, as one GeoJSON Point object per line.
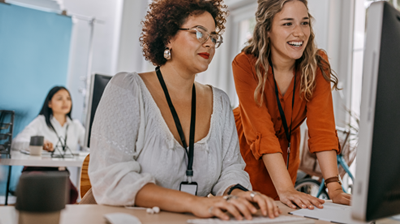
{"type": "Point", "coordinates": [246, 28]}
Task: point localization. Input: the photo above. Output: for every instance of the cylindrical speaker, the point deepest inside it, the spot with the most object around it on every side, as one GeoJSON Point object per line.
{"type": "Point", "coordinates": [36, 145]}
{"type": "Point", "coordinates": [41, 196]}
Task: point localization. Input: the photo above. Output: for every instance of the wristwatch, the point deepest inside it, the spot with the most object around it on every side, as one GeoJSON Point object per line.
{"type": "Point", "coordinates": [333, 179]}
{"type": "Point", "coordinates": [237, 186]}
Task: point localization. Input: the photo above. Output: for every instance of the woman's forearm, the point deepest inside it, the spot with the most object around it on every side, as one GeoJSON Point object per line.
{"type": "Point", "coordinates": [328, 163]}
{"type": "Point", "coordinates": [277, 171]}
{"type": "Point", "coordinates": [166, 199]}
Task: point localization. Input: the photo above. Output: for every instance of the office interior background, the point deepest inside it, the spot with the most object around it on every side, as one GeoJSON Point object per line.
{"type": "Point", "coordinates": [102, 37]}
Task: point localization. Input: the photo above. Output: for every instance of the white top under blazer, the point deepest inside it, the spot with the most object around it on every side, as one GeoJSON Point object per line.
{"type": "Point", "coordinates": [131, 145]}
{"type": "Point", "coordinates": [75, 135]}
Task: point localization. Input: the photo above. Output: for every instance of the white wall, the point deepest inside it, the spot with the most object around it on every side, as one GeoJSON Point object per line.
{"type": "Point", "coordinates": [358, 56]}
{"type": "Point", "coordinates": [340, 49]}
{"type": "Point", "coordinates": [106, 34]}
{"type": "Point", "coordinates": [130, 56]}
{"type": "Point", "coordinates": [105, 45]}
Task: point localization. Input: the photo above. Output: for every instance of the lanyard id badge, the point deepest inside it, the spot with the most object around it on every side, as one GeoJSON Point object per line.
{"type": "Point", "coordinates": [187, 186]}
{"type": "Point", "coordinates": [60, 140]}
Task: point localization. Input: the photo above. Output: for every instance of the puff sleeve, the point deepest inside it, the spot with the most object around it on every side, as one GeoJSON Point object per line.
{"type": "Point", "coordinates": [114, 173]}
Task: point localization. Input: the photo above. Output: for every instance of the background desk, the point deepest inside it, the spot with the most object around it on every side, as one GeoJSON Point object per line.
{"type": "Point", "coordinates": [83, 214]}
{"type": "Point", "coordinates": [20, 159]}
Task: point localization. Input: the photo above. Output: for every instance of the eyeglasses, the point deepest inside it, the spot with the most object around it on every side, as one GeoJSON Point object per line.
{"type": "Point", "coordinates": [203, 36]}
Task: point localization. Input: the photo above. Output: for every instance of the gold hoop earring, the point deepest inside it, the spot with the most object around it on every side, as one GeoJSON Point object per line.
{"type": "Point", "coordinates": [167, 54]}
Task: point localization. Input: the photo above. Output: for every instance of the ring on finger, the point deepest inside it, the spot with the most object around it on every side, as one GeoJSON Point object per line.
{"type": "Point", "coordinates": [210, 209]}
{"type": "Point", "coordinates": [253, 194]}
{"type": "Point", "coordinates": [229, 197]}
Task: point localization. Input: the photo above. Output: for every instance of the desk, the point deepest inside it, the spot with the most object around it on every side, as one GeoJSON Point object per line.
{"type": "Point", "coordinates": [20, 159]}
{"type": "Point", "coordinates": [83, 214]}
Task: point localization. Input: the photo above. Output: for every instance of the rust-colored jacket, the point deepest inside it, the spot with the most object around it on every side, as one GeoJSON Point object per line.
{"type": "Point", "coordinates": [261, 131]}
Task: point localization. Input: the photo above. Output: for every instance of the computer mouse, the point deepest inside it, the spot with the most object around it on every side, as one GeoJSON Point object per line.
{"type": "Point", "coordinates": [121, 218]}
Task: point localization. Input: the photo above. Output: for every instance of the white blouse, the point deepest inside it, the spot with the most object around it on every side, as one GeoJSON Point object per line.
{"type": "Point", "coordinates": [75, 135]}
{"type": "Point", "coordinates": [131, 145]}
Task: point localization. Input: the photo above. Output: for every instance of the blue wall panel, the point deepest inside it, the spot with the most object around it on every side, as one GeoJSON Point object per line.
{"type": "Point", "coordinates": [34, 52]}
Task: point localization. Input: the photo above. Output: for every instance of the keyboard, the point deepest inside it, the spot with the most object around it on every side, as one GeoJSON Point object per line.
{"type": "Point", "coordinates": [27, 152]}
{"type": "Point", "coordinates": [255, 220]}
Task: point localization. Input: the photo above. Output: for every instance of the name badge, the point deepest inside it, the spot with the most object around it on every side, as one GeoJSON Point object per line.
{"type": "Point", "coordinates": [187, 187]}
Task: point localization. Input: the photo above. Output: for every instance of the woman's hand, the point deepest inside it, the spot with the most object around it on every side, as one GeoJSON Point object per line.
{"type": "Point", "coordinates": [237, 205]}
{"type": "Point", "coordinates": [266, 204]}
{"type": "Point", "coordinates": [339, 197]}
{"type": "Point", "coordinates": [292, 198]}
{"type": "Point", "coordinates": [48, 146]}
{"type": "Point", "coordinates": [284, 186]}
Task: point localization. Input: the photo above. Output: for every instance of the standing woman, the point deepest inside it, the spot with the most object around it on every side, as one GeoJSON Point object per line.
{"type": "Point", "coordinates": [54, 122]}
{"type": "Point", "coordinates": [161, 139]}
{"type": "Point", "coordinates": [281, 79]}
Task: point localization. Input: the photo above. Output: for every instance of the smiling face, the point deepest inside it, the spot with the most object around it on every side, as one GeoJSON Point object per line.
{"type": "Point", "coordinates": [290, 31]}
{"type": "Point", "coordinates": [61, 102]}
{"type": "Point", "coordinates": [187, 51]}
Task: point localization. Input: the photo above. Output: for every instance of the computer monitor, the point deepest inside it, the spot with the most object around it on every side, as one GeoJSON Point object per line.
{"type": "Point", "coordinates": [377, 184]}
{"type": "Point", "coordinates": [97, 85]}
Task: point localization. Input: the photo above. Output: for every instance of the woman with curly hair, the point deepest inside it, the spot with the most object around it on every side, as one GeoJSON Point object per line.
{"type": "Point", "coordinates": [160, 138]}
{"type": "Point", "coordinates": [281, 79]}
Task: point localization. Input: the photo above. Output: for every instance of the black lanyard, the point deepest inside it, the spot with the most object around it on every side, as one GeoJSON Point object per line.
{"type": "Point", "coordinates": [64, 146]}
{"type": "Point", "coordinates": [189, 171]}
{"type": "Point", "coordinates": [285, 126]}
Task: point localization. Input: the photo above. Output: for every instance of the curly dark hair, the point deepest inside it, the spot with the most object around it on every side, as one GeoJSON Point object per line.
{"type": "Point", "coordinates": [164, 19]}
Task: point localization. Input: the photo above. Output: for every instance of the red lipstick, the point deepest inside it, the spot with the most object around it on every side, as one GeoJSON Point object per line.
{"type": "Point", "coordinates": [204, 55]}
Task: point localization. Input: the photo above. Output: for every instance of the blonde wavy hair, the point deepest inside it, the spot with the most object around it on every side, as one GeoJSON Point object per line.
{"type": "Point", "coordinates": [259, 46]}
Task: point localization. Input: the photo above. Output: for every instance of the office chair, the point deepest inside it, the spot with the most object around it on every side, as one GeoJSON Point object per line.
{"type": "Point", "coordinates": [86, 186]}
{"type": "Point", "coordinates": [85, 182]}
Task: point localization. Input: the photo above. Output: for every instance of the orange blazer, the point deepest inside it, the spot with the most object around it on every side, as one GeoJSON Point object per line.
{"type": "Point", "coordinates": [261, 131]}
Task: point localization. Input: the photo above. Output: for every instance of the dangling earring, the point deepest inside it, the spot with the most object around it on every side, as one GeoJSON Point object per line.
{"type": "Point", "coordinates": [167, 54]}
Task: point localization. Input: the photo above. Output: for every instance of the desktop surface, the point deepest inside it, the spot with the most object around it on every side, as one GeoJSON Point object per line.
{"type": "Point", "coordinates": [21, 159]}
{"type": "Point", "coordinates": [83, 214]}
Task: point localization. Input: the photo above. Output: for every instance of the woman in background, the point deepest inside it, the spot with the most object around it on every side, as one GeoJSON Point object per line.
{"type": "Point", "coordinates": [281, 79]}
{"type": "Point", "coordinates": [54, 122]}
{"type": "Point", "coordinates": [161, 139]}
